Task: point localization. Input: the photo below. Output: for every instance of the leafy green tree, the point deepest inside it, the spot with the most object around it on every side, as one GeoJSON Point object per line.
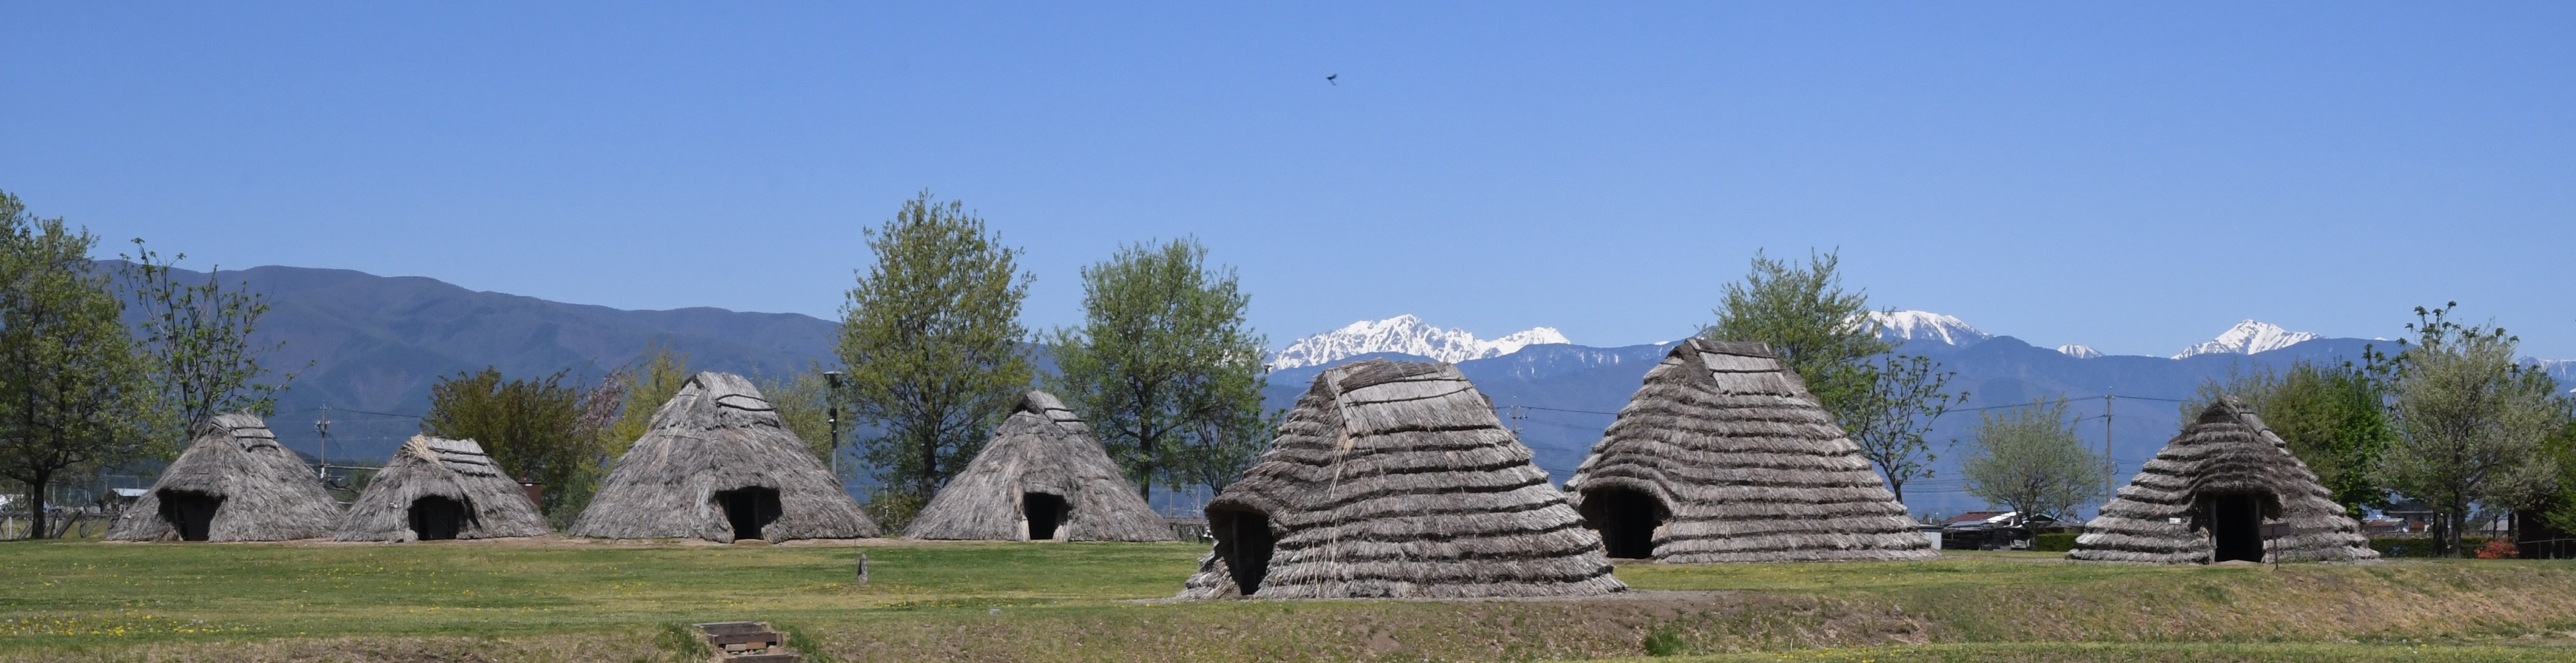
{"type": "Point", "coordinates": [533, 428]}
{"type": "Point", "coordinates": [2331, 416]}
{"type": "Point", "coordinates": [803, 401]}
{"type": "Point", "coordinates": [1820, 331]}
{"type": "Point", "coordinates": [652, 380]}
{"type": "Point", "coordinates": [1892, 413]}
{"type": "Point", "coordinates": [196, 340]}
{"type": "Point", "coordinates": [2557, 510]}
{"type": "Point", "coordinates": [931, 335]}
{"type": "Point", "coordinates": [1886, 403]}
{"type": "Point", "coordinates": [2471, 423]}
{"type": "Point", "coordinates": [73, 393]}
{"type": "Point", "coordinates": [2030, 459]}
{"type": "Point", "coordinates": [1164, 367]}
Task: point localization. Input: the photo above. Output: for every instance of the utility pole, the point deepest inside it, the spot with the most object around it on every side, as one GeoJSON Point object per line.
{"type": "Point", "coordinates": [832, 413]}
{"type": "Point", "coordinates": [1518, 415]}
{"type": "Point", "coordinates": [322, 429]}
{"type": "Point", "coordinates": [2110, 468]}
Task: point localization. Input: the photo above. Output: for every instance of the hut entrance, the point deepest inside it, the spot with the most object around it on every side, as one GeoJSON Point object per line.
{"type": "Point", "coordinates": [1626, 519]}
{"type": "Point", "coordinates": [436, 518]}
{"type": "Point", "coordinates": [749, 510]}
{"type": "Point", "coordinates": [1244, 541]}
{"type": "Point", "coordinates": [192, 513]}
{"type": "Point", "coordinates": [1045, 513]}
{"type": "Point", "coordinates": [2236, 527]}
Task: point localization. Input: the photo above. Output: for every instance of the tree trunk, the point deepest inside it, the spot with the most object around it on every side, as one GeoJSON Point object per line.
{"type": "Point", "coordinates": [36, 505]}
{"type": "Point", "coordinates": [1145, 482]}
{"type": "Point", "coordinates": [929, 467]}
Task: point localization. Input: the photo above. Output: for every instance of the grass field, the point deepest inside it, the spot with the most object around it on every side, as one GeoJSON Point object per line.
{"type": "Point", "coordinates": [571, 601]}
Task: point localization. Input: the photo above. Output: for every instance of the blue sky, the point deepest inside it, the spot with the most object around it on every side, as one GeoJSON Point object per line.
{"type": "Point", "coordinates": [2136, 178]}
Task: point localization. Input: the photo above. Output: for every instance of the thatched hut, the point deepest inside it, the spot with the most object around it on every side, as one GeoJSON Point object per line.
{"type": "Point", "coordinates": [1723, 456]}
{"type": "Point", "coordinates": [233, 483]}
{"type": "Point", "coordinates": [719, 464]}
{"type": "Point", "coordinates": [2225, 489]}
{"type": "Point", "coordinates": [1395, 479]}
{"type": "Point", "coordinates": [436, 488]}
{"type": "Point", "coordinates": [1043, 477]}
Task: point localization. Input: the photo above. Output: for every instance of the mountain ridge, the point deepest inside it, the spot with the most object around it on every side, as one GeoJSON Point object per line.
{"type": "Point", "coordinates": [1408, 335]}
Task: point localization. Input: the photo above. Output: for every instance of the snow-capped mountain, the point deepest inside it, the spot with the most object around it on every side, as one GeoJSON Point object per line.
{"type": "Point", "coordinates": [2249, 337]}
{"type": "Point", "coordinates": [1901, 326]}
{"type": "Point", "coordinates": [2079, 351]}
{"type": "Point", "coordinates": [2562, 369]}
{"type": "Point", "coordinates": [1408, 335]}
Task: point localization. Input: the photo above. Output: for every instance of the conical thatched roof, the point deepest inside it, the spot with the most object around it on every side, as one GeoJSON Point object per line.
{"type": "Point", "coordinates": [1394, 479]}
{"type": "Point", "coordinates": [234, 483]}
{"type": "Point", "coordinates": [1042, 471]}
{"type": "Point", "coordinates": [1723, 456]}
{"type": "Point", "coordinates": [2176, 510]}
{"type": "Point", "coordinates": [438, 488]}
{"type": "Point", "coordinates": [718, 460]}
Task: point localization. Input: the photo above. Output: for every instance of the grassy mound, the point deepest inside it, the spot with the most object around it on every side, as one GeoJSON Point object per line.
{"type": "Point", "coordinates": [572, 601]}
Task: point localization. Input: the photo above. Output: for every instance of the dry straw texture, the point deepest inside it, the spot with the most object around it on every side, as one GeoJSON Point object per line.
{"type": "Point", "coordinates": [255, 490]}
{"type": "Point", "coordinates": [719, 440]}
{"type": "Point", "coordinates": [1395, 479]}
{"type": "Point", "coordinates": [457, 471]}
{"type": "Point", "coordinates": [1727, 449]}
{"type": "Point", "coordinates": [1042, 449]}
{"type": "Point", "coordinates": [2164, 515]}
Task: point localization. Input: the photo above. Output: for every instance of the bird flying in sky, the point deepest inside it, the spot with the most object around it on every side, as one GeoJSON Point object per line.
{"type": "Point", "coordinates": [1329, 79]}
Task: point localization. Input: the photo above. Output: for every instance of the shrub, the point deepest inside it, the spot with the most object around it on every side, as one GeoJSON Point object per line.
{"type": "Point", "coordinates": [1663, 641]}
{"type": "Point", "coordinates": [2418, 546]}
{"type": "Point", "coordinates": [2053, 542]}
{"type": "Point", "coordinates": [2498, 548]}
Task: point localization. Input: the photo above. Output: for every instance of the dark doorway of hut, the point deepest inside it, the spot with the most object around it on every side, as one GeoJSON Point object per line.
{"type": "Point", "coordinates": [749, 510]}
{"type": "Point", "coordinates": [1626, 520]}
{"type": "Point", "coordinates": [435, 518]}
{"type": "Point", "coordinates": [1045, 513]}
{"type": "Point", "coordinates": [191, 513]}
{"type": "Point", "coordinates": [1244, 541]}
{"type": "Point", "coordinates": [2236, 527]}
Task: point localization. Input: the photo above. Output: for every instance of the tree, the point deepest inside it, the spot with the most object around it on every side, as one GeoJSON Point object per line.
{"type": "Point", "coordinates": [2331, 416]}
{"type": "Point", "coordinates": [932, 335]}
{"type": "Point", "coordinates": [803, 402]}
{"type": "Point", "coordinates": [532, 428]}
{"type": "Point", "coordinates": [2029, 458]}
{"type": "Point", "coordinates": [1893, 411]}
{"type": "Point", "coordinates": [196, 340]}
{"type": "Point", "coordinates": [1827, 337]}
{"type": "Point", "coordinates": [1164, 367]}
{"type": "Point", "coordinates": [652, 380]}
{"type": "Point", "coordinates": [2558, 509]}
{"type": "Point", "coordinates": [2470, 422]}
{"type": "Point", "coordinates": [73, 394]}
{"type": "Point", "coordinates": [1819, 331]}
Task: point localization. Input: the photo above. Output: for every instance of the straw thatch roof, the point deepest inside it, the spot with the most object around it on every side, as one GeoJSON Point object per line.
{"type": "Point", "coordinates": [1042, 472]}
{"type": "Point", "coordinates": [2176, 511]}
{"type": "Point", "coordinates": [1395, 479]}
{"type": "Point", "coordinates": [718, 461]}
{"type": "Point", "coordinates": [233, 483]}
{"type": "Point", "coordinates": [436, 488]}
{"type": "Point", "coordinates": [1723, 456]}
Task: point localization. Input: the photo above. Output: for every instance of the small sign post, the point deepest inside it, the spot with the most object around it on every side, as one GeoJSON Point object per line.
{"type": "Point", "coordinates": [2271, 532]}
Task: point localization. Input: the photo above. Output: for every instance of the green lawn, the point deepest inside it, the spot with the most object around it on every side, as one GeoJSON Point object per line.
{"type": "Point", "coordinates": [1074, 602]}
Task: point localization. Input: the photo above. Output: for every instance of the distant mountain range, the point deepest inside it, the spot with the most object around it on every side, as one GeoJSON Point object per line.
{"type": "Point", "coordinates": [1408, 335]}
{"type": "Point", "coordinates": [369, 347]}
